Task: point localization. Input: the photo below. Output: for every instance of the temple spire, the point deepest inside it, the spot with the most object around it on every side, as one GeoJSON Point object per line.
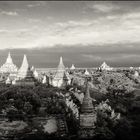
{"type": "Point", "coordinates": [60, 78]}
{"type": "Point", "coordinates": [87, 105]}
{"type": "Point", "coordinates": [25, 61]}
{"type": "Point", "coordinates": [24, 68]}
{"type": "Point", "coordinates": [9, 59]}
{"type": "Point", "coordinates": [61, 64]}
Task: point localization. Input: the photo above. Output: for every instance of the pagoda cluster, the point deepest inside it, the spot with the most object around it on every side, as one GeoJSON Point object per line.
{"type": "Point", "coordinates": [26, 75]}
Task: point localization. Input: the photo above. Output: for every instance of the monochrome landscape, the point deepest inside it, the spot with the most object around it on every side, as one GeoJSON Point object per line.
{"type": "Point", "coordinates": [69, 70]}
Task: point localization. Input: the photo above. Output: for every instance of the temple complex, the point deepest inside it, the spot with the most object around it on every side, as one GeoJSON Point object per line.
{"type": "Point", "coordinates": [61, 78]}
{"type": "Point", "coordinates": [87, 116]}
{"type": "Point", "coordinates": [25, 74]}
{"type": "Point", "coordinates": [104, 66]}
{"type": "Point", "coordinates": [8, 66]}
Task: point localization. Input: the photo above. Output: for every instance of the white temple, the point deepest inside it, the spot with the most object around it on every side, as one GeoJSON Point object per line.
{"type": "Point", "coordinates": [22, 73]}
{"type": "Point", "coordinates": [36, 75]}
{"type": "Point", "coordinates": [25, 75]}
{"type": "Point", "coordinates": [61, 78]}
{"type": "Point", "coordinates": [104, 66]}
{"type": "Point", "coordinates": [8, 81]}
{"type": "Point", "coordinates": [8, 66]}
{"type": "Point", "coordinates": [86, 72]}
{"type": "Point", "coordinates": [136, 74]}
{"type": "Point", "coordinates": [72, 67]}
{"type": "Point", "coordinates": [131, 68]}
{"type": "Point", "coordinates": [44, 80]}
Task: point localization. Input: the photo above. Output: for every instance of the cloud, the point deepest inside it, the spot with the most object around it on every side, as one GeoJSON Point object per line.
{"type": "Point", "coordinates": [34, 20]}
{"type": "Point", "coordinates": [9, 13]}
{"type": "Point", "coordinates": [103, 6]}
{"type": "Point", "coordinates": [36, 4]}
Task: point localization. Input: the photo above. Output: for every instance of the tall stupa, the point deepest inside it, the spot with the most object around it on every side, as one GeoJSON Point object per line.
{"type": "Point", "coordinates": [25, 74]}
{"type": "Point", "coordinates": [87, 116]}
{"type": "Point", "coordinates": [8, 66]}
{"type": "Point", "coordinates": [61, 78]}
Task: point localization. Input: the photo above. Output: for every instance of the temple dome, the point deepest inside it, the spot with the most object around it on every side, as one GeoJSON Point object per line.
{"type": "Point", "coordinates": [8, 66]}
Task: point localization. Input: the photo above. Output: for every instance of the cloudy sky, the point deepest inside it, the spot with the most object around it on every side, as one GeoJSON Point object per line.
{"type": "Point", "coordinates": [84, 33]}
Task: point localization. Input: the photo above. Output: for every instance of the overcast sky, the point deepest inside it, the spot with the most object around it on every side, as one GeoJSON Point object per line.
{"type": "Point", "coordinates": [97, 29]}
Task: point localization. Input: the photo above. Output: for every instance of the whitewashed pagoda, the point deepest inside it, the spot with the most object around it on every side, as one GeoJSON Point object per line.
{"type": "Point", "coordinates": [61, 78]}
{"type": "Point", "coordinates": [25, 74]}
{"type": "Point", "coordinates": [72, 67]}
{"type": "Point", "coordinates": [8, 66]}
{"type": "Point", "coordinates": [104, 66]}
{"type": "Point", "coordinates": [36, 75]}
{"type": "Point", "coordinates": [44, 80]}
{"type": "Point", "coordinates": [8, 81]}
{"type": "Point", "coordinates": [136, 74]}
{"type": "Point", "coordinates": [86, 72]}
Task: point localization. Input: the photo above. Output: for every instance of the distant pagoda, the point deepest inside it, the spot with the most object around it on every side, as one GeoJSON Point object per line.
{"type": "Point", "coordinates": [104, 66]}
{"type": "Point", "coordinates": [61, 78]}
{"type": "Point", "coordinates": [86, 72]}
{"type": "Point", "coordinates": [72, 67]}
{"type": "Point", "coordinates": [25, 74]}
{"type": "Point", "coordinates": [87, 105]}
{"type": "Point", "coordinates": [8, 66]}
{"type": "Point", "coordinates": [87, 116]}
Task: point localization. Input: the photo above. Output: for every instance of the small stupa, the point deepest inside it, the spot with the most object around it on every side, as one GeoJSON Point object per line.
{"type": "Point", "coordinates": [32, 68]}
{"type": "Point", "coordinates": [87, 116]}
{"type": "Point", "coordinates": [136, 74]}
{"type": "Point", "coordinates": [8, 81]}
{"type": "Point", "coordinates": [61, 78]}
{"type": "Point", "coordinates": [44, 81]}
{"type": "Point", "coordinates": [8, 66]}
{"type": "Point", "coordinates": [25, 74]}
{"type": "Point", "coordinates": [36, 75]}
{"type": "Point", "coordinates": [86, 72]}
{"type": "Point", "coordinates": [72, 67]}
